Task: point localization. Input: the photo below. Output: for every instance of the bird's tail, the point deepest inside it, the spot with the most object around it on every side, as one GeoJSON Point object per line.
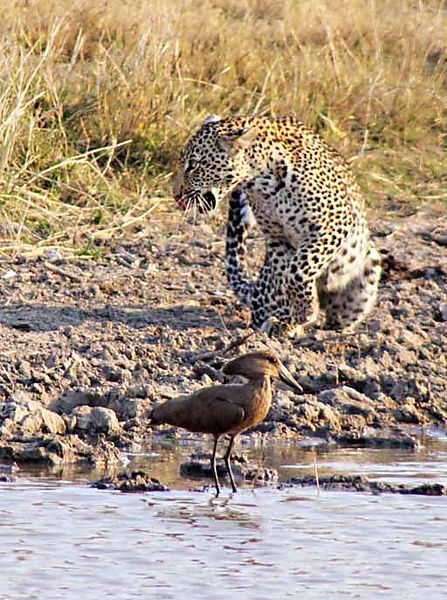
{"type": "Point", "coordinates": [150, 418]}
{"type": "Point", "coordinates": [153, 419]}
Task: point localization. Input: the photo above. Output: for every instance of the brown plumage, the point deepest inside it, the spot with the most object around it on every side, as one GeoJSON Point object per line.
{"type": "Point", "coordinates": [228, 408]}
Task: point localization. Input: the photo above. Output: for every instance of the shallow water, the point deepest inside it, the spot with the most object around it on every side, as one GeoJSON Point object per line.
{"type": "Point", "coordinates": [63, 539]}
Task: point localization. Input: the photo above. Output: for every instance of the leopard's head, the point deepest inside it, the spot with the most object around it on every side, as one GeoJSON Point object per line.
{"type": "Point", "coordinates": [211, 164]}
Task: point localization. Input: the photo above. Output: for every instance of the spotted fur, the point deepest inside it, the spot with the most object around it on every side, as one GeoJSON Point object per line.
{"type": "Point", "coordinates": [319, 256]}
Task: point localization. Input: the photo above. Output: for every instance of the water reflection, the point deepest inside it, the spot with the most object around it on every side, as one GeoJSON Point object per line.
{"type": "Point", "coordinates": [213, 509]}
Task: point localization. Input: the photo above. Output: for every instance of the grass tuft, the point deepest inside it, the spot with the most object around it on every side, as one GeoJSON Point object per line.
{"type": "Point", "coordinates": [97, 98]}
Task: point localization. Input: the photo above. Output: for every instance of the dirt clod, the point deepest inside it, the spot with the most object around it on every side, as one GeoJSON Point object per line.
{"type": "Point", "coordinates": [137, 481]}
{"type": "Point", "coordinates": [359, 483]}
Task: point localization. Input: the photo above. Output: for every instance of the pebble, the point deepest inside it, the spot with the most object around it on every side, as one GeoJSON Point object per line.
{"type": "Point", "coordinates": [9, 274]}
{"type": "Point", "coordinates": [443, 311]}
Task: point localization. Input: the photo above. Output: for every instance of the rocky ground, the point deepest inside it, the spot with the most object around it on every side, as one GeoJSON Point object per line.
{"type": "Point", "coordinates": [88, 346]}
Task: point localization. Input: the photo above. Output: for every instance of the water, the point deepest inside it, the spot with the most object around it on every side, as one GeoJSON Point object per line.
{"type": "Point", "coordinates": [59, 538]}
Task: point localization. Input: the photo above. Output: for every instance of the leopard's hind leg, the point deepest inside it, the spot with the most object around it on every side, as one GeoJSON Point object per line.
{"type": "Point", "coordinates": [349, 304]}
{"type": "Point", "coordinates": [269, 298]}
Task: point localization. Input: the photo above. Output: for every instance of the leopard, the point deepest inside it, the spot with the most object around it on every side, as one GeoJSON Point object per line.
{"type": "Point", "coordinates": [320, 261]}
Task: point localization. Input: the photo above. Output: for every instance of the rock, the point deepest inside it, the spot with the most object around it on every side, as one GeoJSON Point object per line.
{"type": "Point", "coordinates": [348, 401]}
{"type": "Point", "coordinates": [82, 419]}
{"type": "Point", "coordinates": [20, 397]}
{"type": "Point", "coordinates": [50, 451]}
{"type": "Point", "coordinates": [70, 399]}
{"type": "Point", "coordinates": [372, 389]}
{"type": "Point", "coordinates": [384, 437]}
{"type": "Point", "coordinates": [207, 373]}
{"type": "Point", "coordinates": [112, 373]}
{"type": "Point", "coordinates": [443, 311]}
{"type": "Point", "coordinates": [10, 468]}
{"type": "Point", "coordinates": [309, 411]}
{"type": "Point", "coordinates": [328, 418]}
{"type": "Point", "coordinates": [440, 238]}
{"type": "Point", "coordinates": [105, 421]}
{"type": "Point", "coordinates": [129, 408]}
{"type": "Point", "coordinates": [260, 475]}
{"type": "Point", "coordinates": [359, 483]}
{"type": "Point", "coordinates": [410, 339]}
{"type": "Point", "coordinates": [408, 413]}
{"type": "Point", "coordinates": [283, 401]}
{"type": "Point", "coordinates": [282, 408]}
{"type": "Point", "coordinates": [138, 391]}
{"type": "Point", "coordinates": [278, 430]}
{"type": "Point", "coordinates": [37, 452]}
{"type": "Point", "coordinates": [6, 450]}
{"type": "Point", "coordinates": [425, 489]}
{"type": "Point", "coordinates": [70, 422]}
{"type": "Point", "coordinates": [52, 422]}
{"type": "Point", "coordinates": [25, 369]}
{"type": "Point", "coordinates": [101, 453]}
{"type": "Point", "coordinates": [7, 472]}
{"type": "Point", "coordinates": [350, 375]}
{"type": "Point", "coordinates": [201, 467]}
{"type": "Point", "coordinates": [137, 481]}
{"type": "Point", "coordinates": [11, 415]}
{"type": "Point", "coordinates": [28, 416]}
{"type": "Point", "coordinates": [53, 450]}
{"type": "Point", "coordinates": [96, 420]}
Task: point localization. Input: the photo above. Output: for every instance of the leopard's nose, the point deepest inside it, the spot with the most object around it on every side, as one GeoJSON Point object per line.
{"type": "Point", "coordinates": [181, 201]}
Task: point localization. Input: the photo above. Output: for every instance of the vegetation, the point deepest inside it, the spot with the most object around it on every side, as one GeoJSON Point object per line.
{"type": "Point", "coordinates": [96, 98]}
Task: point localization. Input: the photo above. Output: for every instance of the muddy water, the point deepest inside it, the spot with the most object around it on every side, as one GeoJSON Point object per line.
{"type": "Point", "coordinates": [60, 538]}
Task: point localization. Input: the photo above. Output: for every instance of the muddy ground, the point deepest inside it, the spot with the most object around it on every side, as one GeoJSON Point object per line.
{"type": "Point", "coordinates": [87, 346]}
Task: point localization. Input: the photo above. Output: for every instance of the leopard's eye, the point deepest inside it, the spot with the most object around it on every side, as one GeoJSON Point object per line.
{"type": "Point", "coordinates": [191, 165]}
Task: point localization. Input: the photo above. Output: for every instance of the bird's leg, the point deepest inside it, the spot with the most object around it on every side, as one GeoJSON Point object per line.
{"type": "Point", "coordinates": [227, 460]}
{"type": "Point", "coordinates": [213, 466]}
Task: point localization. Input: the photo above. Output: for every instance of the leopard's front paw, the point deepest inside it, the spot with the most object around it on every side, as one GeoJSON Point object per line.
{"type": "Point", "coordinates": [274, 327]}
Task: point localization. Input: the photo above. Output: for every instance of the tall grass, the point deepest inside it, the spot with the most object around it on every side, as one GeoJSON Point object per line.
{"type": "Point", "coordinates": [97, 98]}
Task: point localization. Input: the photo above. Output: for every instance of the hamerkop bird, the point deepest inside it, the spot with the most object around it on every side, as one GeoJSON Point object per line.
{"type": "Point", "coordinates": [228, 409]}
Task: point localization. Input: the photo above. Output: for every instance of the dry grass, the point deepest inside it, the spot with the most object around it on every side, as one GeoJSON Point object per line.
{"type": "Point", "coordinates": [97, 98]}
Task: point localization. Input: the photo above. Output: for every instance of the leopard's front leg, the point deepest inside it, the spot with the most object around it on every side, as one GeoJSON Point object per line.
{"type": "Point", "coordinates": [271, 310]}
{"type": "Point", "coordinates": [240, 221]}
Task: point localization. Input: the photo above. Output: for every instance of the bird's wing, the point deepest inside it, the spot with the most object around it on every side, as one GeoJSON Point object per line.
{"type": "Point", "coordinates": [217, 415]}
{"type": "Point", "coordinates": [205, 411]}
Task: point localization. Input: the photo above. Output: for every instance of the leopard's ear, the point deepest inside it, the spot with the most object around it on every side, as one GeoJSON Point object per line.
{"type": "Point", "coordinates": [237, 139]}
{"type": "Point", "coordinates": [211, 119]}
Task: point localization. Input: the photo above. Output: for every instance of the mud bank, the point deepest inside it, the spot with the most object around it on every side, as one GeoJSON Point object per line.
{"type": "Point", "coordinates": [88, 346]}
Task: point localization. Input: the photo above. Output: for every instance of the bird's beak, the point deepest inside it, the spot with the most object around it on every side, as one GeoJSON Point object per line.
{"type": "Point", "coordinates": [287, 378]}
